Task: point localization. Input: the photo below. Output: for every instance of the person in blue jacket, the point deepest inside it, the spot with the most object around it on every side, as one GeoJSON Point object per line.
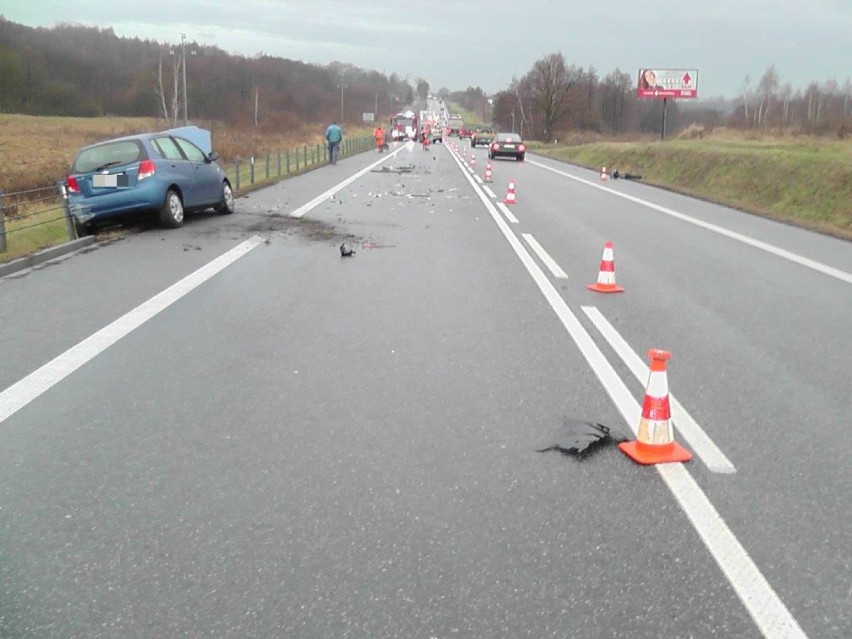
{"type": "Point", "coordinates": [333, 135]}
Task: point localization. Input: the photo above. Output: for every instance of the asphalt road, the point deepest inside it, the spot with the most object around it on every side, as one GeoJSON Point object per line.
{"type": "Point", "coordinates": [296, 444]}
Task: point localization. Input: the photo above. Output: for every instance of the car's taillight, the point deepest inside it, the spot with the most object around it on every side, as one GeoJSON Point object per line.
{"type": "Point", "coordinates": [147, 168]}
{"type": "Point", "coordinates": [522, 148]}
{"type": "Point", "coordinates": [71, 185]}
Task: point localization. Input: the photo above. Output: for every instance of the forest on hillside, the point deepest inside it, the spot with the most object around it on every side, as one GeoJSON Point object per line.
{"type": "Point", "coordinates": [88, 71]}
{"type": "Point", "coordinates": [76, 70]}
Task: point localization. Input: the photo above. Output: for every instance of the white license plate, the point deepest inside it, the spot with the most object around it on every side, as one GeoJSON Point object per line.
{"type": "Point", "coordinates": [103, 181]}
{"type": "Point", "coordinates": [508, 146]}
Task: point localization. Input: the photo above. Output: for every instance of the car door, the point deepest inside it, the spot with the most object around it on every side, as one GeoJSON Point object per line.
{"type": "Point", "coordinates": [208, 175]}
{"type": "Point", "coordinates": [176, 167]}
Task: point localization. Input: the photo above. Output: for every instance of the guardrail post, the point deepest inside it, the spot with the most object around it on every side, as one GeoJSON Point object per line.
{"type": "Point", "coordinates": [237, 174]}
{"type": "Point", "coordinates": [267, 166]}
{"type": "Point", "coordinates": [2, 225]}
{"type": "Point", "coordinates": [287, 158]}
{"type": "Point", "coordinates": [296, 154]}
{"type": "Point", "coordinates": [251, 171]}
{"type": "Point", "coordinates": [66, 207]}
{"type": "Point", "coordinates": [279, 163]}
{"type": "Point", "coordinates": [306, 156]}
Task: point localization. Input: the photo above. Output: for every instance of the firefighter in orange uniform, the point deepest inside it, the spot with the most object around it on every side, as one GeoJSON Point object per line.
{"type": "Point", "coordinates": [379, 134]}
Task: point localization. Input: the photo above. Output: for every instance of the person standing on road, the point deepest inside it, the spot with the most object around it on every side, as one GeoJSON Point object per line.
{"type": "Point", "coordinates": [379, 134]}
{"type": "Point", "coordinates": [333, 135]}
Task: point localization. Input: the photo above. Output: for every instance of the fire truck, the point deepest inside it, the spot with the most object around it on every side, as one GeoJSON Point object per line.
{"type": "Point", "coordinates": [404, 126]}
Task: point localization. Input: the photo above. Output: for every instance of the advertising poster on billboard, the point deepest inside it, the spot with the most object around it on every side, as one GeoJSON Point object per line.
{"type": "Point", "coordinates": [667, 83]}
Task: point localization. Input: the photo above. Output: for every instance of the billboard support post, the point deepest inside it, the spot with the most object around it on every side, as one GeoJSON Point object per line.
{"type": "Point", "coordinates": [663, 129]}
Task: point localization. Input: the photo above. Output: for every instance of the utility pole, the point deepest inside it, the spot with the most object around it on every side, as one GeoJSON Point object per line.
{"type": "Point", "coordinates": [185, 97]}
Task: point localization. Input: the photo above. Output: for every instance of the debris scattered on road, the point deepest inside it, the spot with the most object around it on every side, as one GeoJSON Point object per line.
{"type": "Point", "coordinates": [575, 437]}
{"type": "Point", "coordinates": [346, 250]}
{"type": "Point", "coordinates": [391, 169]}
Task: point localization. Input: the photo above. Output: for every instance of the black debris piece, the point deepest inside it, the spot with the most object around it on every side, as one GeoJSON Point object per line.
{"type": "Point", "coordinates": [625, 176]}
{"type": "Point", "coordinates": [391, 169]}
{"type": "Point", "coordinates": [575, 437]}
{"type": "Point", "coordinates": [346, 251]}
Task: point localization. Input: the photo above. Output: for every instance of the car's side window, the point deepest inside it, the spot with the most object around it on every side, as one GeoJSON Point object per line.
{"type": "Point", "coordinates": [191, 151]}
{"type": "Point", "coordinates": [166, 147]}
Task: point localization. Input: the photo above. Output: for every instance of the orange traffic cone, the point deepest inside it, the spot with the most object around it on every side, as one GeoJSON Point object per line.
{"type": "Point", "coordinates": [655, 443]}
{"type": "Point", "coordinates": [472, 160]}
{"type": "Point", "coordinates": [510, 194]}
{"type": "Point", "coordinates": [487, 177]}
{"type": "Point", "coordinates": [604, 174]}
{"type": "Point", "coordinates": [606, 275]}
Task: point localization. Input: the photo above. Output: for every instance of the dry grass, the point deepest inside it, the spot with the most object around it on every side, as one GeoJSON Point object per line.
{"type": "Point", "coordinates": [37, 151]}
{"type": "Point", "coordinates": [797, 179]}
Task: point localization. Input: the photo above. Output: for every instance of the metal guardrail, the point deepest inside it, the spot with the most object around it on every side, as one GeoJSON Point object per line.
{"type": "Point", "coordinates": [33, 219]}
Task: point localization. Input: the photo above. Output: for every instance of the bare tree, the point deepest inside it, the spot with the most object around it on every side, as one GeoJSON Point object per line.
{"type": "Point", "coordinates": [550, 81]}
{"type": "Point", "coordinates": [814, 102]}
{"type": "Point", "coordinates": [162, 93]}
{"type": "Point", "coordinates": [766, 89]}
{"type": "Point", "coordinates": [786, 93]}
{"type": "Point", "coordinates": [746, 91]}
{"type": "Point", "coordinates": [615, 89]}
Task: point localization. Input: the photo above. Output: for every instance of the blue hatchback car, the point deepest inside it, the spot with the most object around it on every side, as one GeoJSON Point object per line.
{"type": "Point", "coordinates": [170, 172]}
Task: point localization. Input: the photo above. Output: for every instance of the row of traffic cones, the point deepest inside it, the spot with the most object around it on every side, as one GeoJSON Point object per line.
{"type": "Point", "coordinates": [654, 443]}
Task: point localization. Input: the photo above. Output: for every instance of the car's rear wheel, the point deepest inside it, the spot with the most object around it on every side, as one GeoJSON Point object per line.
{"type": "Point", "coordinates": [226, 204]}
{"type": "Point", "coordinates": [520, 158]}
{"type": "Point", "coordinates": [171, 214]}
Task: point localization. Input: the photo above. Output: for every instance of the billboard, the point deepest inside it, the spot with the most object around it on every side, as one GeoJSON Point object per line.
{"type": "Point", "coordinates": [667, 83]}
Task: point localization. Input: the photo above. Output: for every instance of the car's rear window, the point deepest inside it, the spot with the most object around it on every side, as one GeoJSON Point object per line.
{"type": "Point", "coordinates": [107, 155]}
{"type": "Point", "coordinates": [509, 137]}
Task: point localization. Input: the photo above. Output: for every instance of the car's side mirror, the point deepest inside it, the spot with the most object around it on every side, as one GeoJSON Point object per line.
{"type": "Point", "coordinates": [212, 156]}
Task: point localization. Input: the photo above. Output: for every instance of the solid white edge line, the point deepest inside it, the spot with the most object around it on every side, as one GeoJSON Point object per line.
{"type": "Point", "coordinates": [478, 179]}
{"type": "Point", "coordinates": [507, 213]}
{"type": "Point", "coordinates": [30, 387]}
{"type": "Point", "coordinates": [756, 594]}
{"type": "Point", "coordinates": [695, 436]}
{"type": "Point", "coordinates": [763, 604]}
{"type": "Point", "coordinates": [745, 239]}
{"type": "Point", "coordinates": [307, 208]}
{"type": "Point", "coordinates": [544, 256]}
{"type": "Point", "coordinates": [491, 193]}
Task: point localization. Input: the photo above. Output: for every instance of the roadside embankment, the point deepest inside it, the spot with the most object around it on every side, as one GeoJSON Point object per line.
{"type": "Point", "coordinates": [802, 182]}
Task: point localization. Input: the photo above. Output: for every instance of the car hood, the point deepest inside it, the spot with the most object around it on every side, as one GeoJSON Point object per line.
{"type": "Point", "coordinates": [199, 137]}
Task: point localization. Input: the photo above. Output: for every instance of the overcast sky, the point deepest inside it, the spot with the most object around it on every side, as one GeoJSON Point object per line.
{"type": "Point", "coordinates": [478, 43]}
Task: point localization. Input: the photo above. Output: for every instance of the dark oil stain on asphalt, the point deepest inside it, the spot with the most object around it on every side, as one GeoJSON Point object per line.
{"type": "Point", "coordinates": [580, 438]}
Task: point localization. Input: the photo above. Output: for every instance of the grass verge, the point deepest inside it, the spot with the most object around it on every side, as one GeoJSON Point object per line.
{"type": "Point", "coordinates": [803, 182]}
